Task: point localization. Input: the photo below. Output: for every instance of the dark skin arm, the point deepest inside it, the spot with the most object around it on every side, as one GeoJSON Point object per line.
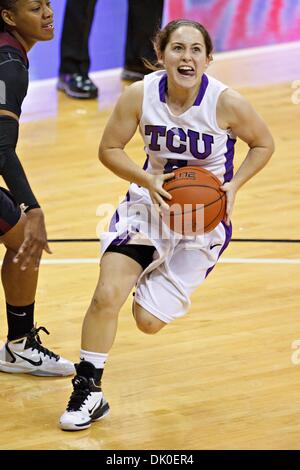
{"type": "Point", "coordinates": [35, 240]}
{"type": "Point", "coordinates": [35, 235]}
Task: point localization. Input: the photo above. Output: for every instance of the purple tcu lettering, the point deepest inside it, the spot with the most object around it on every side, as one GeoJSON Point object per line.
{"type": "Point", "coordinates": [178, 141]}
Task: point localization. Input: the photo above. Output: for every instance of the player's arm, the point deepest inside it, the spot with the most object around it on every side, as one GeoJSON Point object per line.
{"type": "Point", "coordinates": [119, 130]}
{"type": "Point", "coordinates": [245, 123]}
{"type": "Point", "coordinates": [35, 236]}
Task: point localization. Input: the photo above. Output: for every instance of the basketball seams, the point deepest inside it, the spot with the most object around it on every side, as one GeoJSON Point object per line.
{"type": "Point", "coordinates": [192, 186]}
{"type": "Point", "coordinates": [214, 219]}
{"type": "Point", "coordinates": [211, 222]}
{"type": "Point", "coordinates": [183, 187]}
{"type": "Point", "coordinates": [204, 205]}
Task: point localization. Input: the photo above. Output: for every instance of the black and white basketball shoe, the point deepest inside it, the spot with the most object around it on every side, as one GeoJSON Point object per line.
{"type": "Point", "coordinates": [87, 403]}
{"type": "Point", "coordinates": [27, 355]}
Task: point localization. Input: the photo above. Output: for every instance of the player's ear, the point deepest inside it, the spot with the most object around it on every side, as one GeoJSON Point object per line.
{"type": "Point", "coordinates": [8, 17]}
{"type": "Point", "coordinates": [159, 55]}
{"type": "Point", "coordinates": [209, 60]}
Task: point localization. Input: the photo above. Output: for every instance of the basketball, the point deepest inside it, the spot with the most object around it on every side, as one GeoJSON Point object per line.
{"type": "Point", "coordinates": [197, 205]}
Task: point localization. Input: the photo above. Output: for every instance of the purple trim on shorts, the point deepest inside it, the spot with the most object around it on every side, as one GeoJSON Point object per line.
{"type": "Point", "coordinates": [114, 220]}
{"type": "Point", "coordinates": [228, 235]}
{"type": "Point", "coordinates": [121, 239]}
{"type": "Point", "coordinates": [163, 86]}
{"type": "Point", "coordinates": [229, 159]}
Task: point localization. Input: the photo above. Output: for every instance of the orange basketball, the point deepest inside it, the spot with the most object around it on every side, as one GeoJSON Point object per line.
{"type": "Point", "coordinates": [198, 204]}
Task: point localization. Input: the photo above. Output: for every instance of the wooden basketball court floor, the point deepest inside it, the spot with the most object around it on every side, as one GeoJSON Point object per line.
{"type": "Point", "coordinates": [227, 376]}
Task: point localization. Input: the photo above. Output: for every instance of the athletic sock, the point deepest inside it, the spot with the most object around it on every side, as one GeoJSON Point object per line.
{"type": "Point", "coordinates": [97, 359]}
{"type": "Point", "coordinates": [19, 320]}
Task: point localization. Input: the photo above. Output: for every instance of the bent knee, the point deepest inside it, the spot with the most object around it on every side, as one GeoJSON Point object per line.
{"type": "Point", "coordinates": [106, 298]}
{"type": "Point", "coordinates": [145, 321]}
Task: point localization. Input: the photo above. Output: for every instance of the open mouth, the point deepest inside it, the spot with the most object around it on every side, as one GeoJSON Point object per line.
{"type": "Point", "coordinates": [186, 71]}
{"type": "Point", "coordinates": [48, 26]}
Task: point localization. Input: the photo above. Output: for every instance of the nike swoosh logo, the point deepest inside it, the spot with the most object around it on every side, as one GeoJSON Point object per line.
{"type": "Point", "coordinates": [18, 314]}
{"type": "Point", "coordinates": [34, 363]}
{"type": "Point", "coordinates": [96, 406]}
{"type": "Point", "coordinates": [216, 244]}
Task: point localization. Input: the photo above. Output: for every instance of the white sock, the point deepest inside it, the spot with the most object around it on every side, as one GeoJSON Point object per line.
{"type": "Point", "coordinates": [97, 359]}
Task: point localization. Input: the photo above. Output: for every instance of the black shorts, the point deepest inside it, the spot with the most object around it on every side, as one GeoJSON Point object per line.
{"type": "Point", "coordinates": [10, 211]}
{"type": "Point", "coordinates": [142, 254]}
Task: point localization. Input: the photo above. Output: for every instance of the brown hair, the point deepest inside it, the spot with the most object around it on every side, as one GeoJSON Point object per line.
{"type": "Point", "coordinates": [162, 38]}
{"type": "Point", "coordinates": [6, 5]}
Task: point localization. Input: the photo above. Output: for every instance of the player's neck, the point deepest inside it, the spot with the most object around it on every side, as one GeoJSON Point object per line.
{"type": "Point", "coordinates": [180, 100]}
{"type": "Point", "coordinates": [26, 43]}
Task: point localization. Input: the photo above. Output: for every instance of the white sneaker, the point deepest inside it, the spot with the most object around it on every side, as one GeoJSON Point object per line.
{"type": "Point", "coordinates": [86, 404]}
{"type": "Point", "coordinates": [27, 355]}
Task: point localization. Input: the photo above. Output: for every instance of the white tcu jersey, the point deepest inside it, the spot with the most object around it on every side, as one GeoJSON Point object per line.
{"type": "Point", "coordinates": [180, 264]}
{"type": "Point", "coordinates": [192, 138]}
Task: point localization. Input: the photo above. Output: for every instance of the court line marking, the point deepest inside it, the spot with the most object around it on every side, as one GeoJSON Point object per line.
{"type": "Point", "coordinates": [260, 260]}
{"type": "Point", "coordinates": [68, 261]}
{"type": "Point", "coordinates": [237, 240]}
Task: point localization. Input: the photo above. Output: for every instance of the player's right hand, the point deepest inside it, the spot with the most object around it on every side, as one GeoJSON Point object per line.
{"type": "Point", "coordinates": [35, 240]}
{"type": "Point", "coordinates": [230, 191]}
{"type": "Point", "coordinates": [157, 192]}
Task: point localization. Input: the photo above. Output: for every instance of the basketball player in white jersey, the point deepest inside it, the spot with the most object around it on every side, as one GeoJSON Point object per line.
{"type": "Point", "coordinates": [185, 117]}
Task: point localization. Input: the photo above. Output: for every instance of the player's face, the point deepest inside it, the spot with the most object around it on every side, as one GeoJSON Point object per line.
{"type": "Point", "coordinates": [185, 57]}
{"type": "Point", "coordinates": [33, 20]}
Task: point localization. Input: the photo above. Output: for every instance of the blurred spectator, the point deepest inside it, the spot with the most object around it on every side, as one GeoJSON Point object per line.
{"type": "Point", "coordinates": [144, 18]}
{"type": "Point", "coordinates": [74, 50]}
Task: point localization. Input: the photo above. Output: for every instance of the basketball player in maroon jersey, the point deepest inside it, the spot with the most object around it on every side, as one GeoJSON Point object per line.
{"type": "Point", "coordinates": [22, 225]}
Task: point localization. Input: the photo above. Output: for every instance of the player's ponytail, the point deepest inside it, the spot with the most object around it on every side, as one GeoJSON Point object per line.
{"type": "Point", "coordinates": [5, 5]}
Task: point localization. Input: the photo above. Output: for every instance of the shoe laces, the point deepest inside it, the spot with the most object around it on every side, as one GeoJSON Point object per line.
{"type": "Point", "coordinates": [80, 393]}
{"type": "Point", "coordinates": [34, 342]}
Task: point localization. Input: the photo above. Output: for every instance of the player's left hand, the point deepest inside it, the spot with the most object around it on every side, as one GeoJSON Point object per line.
{"type": "Point", "coordinates": [35, 241]}
{"type": "Point", "coordinates": [230, 191]}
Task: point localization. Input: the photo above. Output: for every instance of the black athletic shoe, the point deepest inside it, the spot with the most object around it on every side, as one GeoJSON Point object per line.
{"type": "Point", "coordinates": [77, 86]}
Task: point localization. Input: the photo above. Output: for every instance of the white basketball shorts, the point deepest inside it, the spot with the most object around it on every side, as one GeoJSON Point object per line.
{"type": "Point", "coordinates": [165, 291]}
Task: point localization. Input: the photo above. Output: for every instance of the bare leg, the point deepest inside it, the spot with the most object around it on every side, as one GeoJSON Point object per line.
{"type": "Point", "coordinates": [19, 286]}
{"type": "Point", "coordinates": [118, 275]}
{"type": "Point", "coordinates": [145, 321]}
